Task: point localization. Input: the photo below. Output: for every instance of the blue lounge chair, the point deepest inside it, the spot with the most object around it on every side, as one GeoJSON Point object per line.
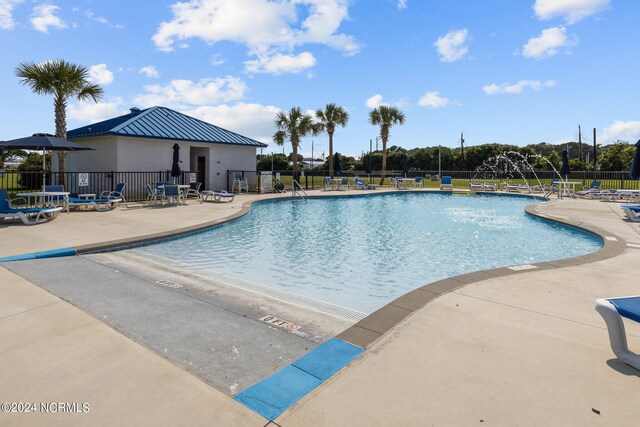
{"type": "Point", "coordinates": [418, 181]}
{"type": "Point", "coordinates": [363, 186]}
{"type": "Point", "coordinates": [29, 216]}
{"type": "Point", "coordinates": [474, 186]}
{"type": "Point", "coordinates": [173, 193]}
{"type": "Point", "coordinates": [612, 311]}
{"type": "Point", "coordinates": [590, 192]}
{"type": "Point", "coordinates": [632, 212]}
{"type": "Point", "coordinates": [445, 183]}
{"type": "Point", "coordinates": [117, 193]}
{"type": "Point", "coordinates": [102, 204]}
{"type": "Point", "coordinates": [344, 184]}
{"type": "Point", "coordinates": [328, 183]}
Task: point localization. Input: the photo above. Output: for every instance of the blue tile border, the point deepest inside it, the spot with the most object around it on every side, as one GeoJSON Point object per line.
{"type": "Point", "coordinates": [39, 255]}
{"type": "Point", "coordinates": [275, 394]}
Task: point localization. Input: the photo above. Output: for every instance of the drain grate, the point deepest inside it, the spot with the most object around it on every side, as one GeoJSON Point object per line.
{"type": "Point", "coordinates": [169, 284]}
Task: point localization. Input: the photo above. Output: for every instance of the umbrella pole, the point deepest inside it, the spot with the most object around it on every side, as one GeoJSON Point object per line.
{"type": "Point", "coordinates": [44, 171]}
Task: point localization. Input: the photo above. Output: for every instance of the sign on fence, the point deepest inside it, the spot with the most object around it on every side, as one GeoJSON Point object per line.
{"type": "Point", "coordinates": [83, 180]}
{"type": "Point", "coordinates": [193, 177]}
{"type": "Point", "coordinates": [266, 181]}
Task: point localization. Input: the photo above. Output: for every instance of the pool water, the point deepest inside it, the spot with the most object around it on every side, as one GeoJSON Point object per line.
{"type": "Point", "coordinates": [363, 252]}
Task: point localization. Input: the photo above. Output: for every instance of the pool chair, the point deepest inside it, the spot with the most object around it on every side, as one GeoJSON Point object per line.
{"type": "Point", "coordinates": [154, 195]}
{"type": "Point", "coordinates": [344, 184]}
{"type": "Point", "coordinates": [393, 181]}
{"type": "Point", "coordinates": [217, 196]}
{"type": "Point", "coordinates": [194, 191]}
{"type": "Point", "coordinates": [631, 213]}
{"type": "Point", "coordinates": [362, 185]}
{"type": "Point", "coordinates": [490, 187]}
{"type": "Point", "coordinates": [173, 194]}
{"type": "Point", "coordinates": [446, 184]}
{"type": "Point", "coordinates": [101, 204]}
{"type": "Point", "coordinates": [418, 182]}
{"type": "Point", "coordinates": [328, 183]}
{"type": "Point", "coordinates": [29, 216]}
{"type": "Point", "coordinates": [612, 311]}
{"type": "Point", "coordinates": [475, 186]}
{"type": "Point", "coordinates": [239, 183]}
{"type": "Point", "coordinates": [591, 191]}
{"type": "Point", "coordinates": [117, 193]}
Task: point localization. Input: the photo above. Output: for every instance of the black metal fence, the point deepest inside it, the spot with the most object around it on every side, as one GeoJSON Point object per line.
{"type": "Point", "coordinates": [88, 182]}
{"type": "Point", "coordinates": [96, 182]}
{"type": "Point", "coordinates": [314, 179]}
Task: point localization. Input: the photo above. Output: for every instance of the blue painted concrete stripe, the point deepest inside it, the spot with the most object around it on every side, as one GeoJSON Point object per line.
{"type": "Point", "coordinates": [275, 394]}
{"type": "Point", "coordinates": [39, 255]}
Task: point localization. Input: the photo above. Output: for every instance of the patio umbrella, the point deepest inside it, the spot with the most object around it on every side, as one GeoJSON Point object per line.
{"type": "Point", "coordinates": [634, 172]}
{"type": "Point", "coordinates": [405, 166]}
{"type": "Point", "coordinates": [175, 167]}
{"type": "Point", "coordinates": [337, 167]}
{"type": "Point", "coordinates": [367, 165]}
{"type": "Point", "coordinates": [44, 142]}
{"type": "Point", "coordinates": [565, 164]}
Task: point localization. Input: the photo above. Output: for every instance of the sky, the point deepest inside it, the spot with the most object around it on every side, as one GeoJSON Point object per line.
{"type": "Point", "coordinates": [511, 72]}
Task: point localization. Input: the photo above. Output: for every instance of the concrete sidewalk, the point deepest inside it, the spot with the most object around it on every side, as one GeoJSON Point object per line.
{"type": "Point", "coordinates": [525, 349]}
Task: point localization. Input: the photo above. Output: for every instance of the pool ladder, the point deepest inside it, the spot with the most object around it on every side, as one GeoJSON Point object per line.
{"type": "Point", "coordinates": [296, 190]}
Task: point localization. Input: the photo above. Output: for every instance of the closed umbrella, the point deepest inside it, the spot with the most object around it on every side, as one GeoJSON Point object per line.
{"type": "Point", "coordinates": [405, 166]}
{"type": "Point", "coordinates": [44, 142]}
{"type": "Point", "coordinates": [565, 164]}
{"type": "Point", "coordinates": [634, 172]}
{"type": "Point", "coordinates": [175, 167]}
{"type": "Point", "coordinates": [337, 167]}
{"type": "Point", "coordinates": [367, 165]}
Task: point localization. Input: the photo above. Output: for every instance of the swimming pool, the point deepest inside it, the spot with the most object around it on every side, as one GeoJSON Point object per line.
{"type": "Point", "coordinates": [363, 252]}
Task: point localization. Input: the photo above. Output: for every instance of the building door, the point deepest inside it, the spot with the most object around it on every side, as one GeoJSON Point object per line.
{"type": "Point", "coordinates": [201, 171]}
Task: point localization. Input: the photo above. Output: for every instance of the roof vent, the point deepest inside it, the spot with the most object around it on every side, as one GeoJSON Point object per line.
{"type": "Point", "coordinates": [134, 111]}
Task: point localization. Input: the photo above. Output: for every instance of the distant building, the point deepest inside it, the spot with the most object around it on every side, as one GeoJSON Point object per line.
{"type": "Point", "coordinates": [142, 141]}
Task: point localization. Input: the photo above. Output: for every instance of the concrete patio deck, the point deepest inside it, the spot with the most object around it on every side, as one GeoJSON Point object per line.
{"type": "Point", "coordinates": [523, 349]}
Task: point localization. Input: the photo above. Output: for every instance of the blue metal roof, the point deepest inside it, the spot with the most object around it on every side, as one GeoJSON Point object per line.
{"type": "Point", "coordinates": [163, 123]}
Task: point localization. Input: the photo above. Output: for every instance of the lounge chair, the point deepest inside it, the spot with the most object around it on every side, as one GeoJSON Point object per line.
{"type": "Point", "coordinates": [632, 214]}
{"type": "Point", "coordinates": [328, 183]}
{"type": "Point", "coordinates": [218, 196]}
{"type": "Point", "coordinates": [490, 187]}
{"type": "Point", "coordinates": [117, 193]}
{"type": "Point", "coordinates": [239, 182]}
{"type": "Point", "coordinates": [154, 194]}
{"type": "Point", "coordinates": [475, 186]}
{"type": "Point", "coordinates": [29, 216]}
{"type": "Point", "coordinates": [418, 182]}
{"type": "Point", "coordinates": [445, 183]}
{"type": "Point", "coordinates": [344, 184]}
{"type": "Point", "coordinates": [591, 191]}
{"type": "Point", "coordinates": [393, 181]}
{"type": "Point", "coordinates": [612, 311]}
{"type": "Point", "coordinates": [102, 204]}
{"type": "Point", "coordinates": [363, 186]}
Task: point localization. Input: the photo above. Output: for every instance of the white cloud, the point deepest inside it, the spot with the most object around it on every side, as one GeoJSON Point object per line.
{"type": "Point", "coordinates": [90, 112]}
{"type": "Point", "coordinates": [517, 88]}
{"type": "Point", "coordinates": [252, 120]}
{"type": "Point", "coordinates": [217, 59]}
{"type": "Point", "coordinates": [374, 102]}
{"type": "Point", "coordinates": [402, 4]}
{"type": "Point", "coordinates": [434, 100]}
{"type": "Point", "coordinates": [100, 74]}
{"type": "Point", "coordinates": [182, 94]}
{"type": "Point", "coordinates": [572, 10]}
{"type": "Point", "coordinates": [548, 43]}
{"type": "Point", "coordinates": [266, 27]}
{"type": "Point", "coordinates": [150, 71]}
{"type": "Point", "coordinates": [619, 130]}
{"type": "Point", "coordinates": [6, 13]}
{"type": "Point", "coordinates": [279, 63]}
{"type": "Point", "coordinates": [44, 17]}
{"type": "Point", "coordinates": [451, 47]}
{"type": "Point", "coordinates": [99, 19]}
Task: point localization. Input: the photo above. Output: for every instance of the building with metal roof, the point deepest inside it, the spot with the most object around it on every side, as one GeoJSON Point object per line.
{"type": "Point", "coordinates": [142, 141]}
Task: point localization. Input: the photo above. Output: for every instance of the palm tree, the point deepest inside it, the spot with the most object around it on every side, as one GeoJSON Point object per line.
{"type": "Point", "coordinates": [328, 118]}
{"type": "Point", "coordinates": [292, 126]}
{"type": "Point", "coordinates": [63, 80]}
{"type": "Point", "coordinates": [385, 117]}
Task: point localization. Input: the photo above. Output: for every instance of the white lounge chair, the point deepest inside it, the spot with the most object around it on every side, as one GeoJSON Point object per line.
{"type": "Point", "coordinates": [218, 196]}
{"type": "Point", "coordinates": [102, 204]}
{"type": "Point", "coordinates": [29, 216]}
{"type": "Point", "coordinates": [612, 311]}
{"type": "Point", "coordinates": [631, 213]}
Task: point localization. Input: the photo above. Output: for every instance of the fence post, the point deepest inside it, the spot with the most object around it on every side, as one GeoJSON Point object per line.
{"type": "Point", "coordinates": [622, 180]}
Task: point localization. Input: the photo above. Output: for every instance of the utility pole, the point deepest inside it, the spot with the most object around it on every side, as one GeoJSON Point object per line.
{"type": "Point", "coordinates": [579, 143]}
{"type": "Point", "coordinates": [462, 145]}
{"type": "Point", "coordinates": [595, 152]}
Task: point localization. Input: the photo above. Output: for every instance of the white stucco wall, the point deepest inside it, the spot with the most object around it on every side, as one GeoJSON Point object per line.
{"type": "Point", "coordinates": [131, 154]}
